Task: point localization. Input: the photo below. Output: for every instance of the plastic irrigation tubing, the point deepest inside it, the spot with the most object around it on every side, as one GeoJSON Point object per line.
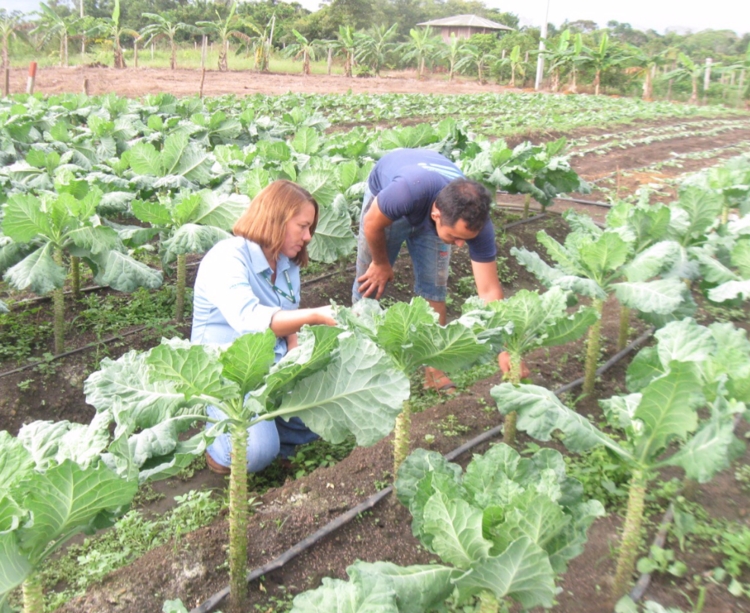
{"type": "Point", "coordinates": [606, 205]}
{"type": "Point", "coordinates": [609, 363]}
{"type": "Point", "coordinates": [72, 351]}
{"type": "Point", "coordinates": [213, 601]}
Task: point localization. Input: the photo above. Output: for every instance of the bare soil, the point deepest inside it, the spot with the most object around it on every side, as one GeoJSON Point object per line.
{"type": "Point", "coordinates": [193, 568]}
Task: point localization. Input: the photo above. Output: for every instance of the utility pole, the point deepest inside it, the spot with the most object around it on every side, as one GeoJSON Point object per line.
{"type": "Point", "coordinates": [540, 57]}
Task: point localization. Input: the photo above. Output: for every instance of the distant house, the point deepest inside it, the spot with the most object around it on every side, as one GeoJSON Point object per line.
{"type": "Point", "coordinates": [463, 26]}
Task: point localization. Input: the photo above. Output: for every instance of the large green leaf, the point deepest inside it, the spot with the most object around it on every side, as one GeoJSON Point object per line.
{"type": "Point", "coordinates": [144, 159]}
{"type": "Point", "coordinates": [37, 271]}
{"type": "Point", "coordinates": [684, 341]}
{"type": "Point", "coordinates": [14, 565]}
{"type": "Point", "coordinates": [540, 413]}
{"type": "Point", "coordinates": [191, 238]}
{"type": "Point", "coordinates": [418, 588]}
{"type": "Point", "coordinates": [23, 218]}
{"type": "Point", "coordinates": [522, 571]}
{"type": "Point", "coordinates": [661, 296]}
{"type": "Point", "coordinates": [151, 212]}
{"type": "Point", "coordinates": [702, 207]}
{"type": "Point", "coordinates": [193, 371]}
{"type": "Point", "coordinates": [712, 447]}
{"type": "Point", "coordinates": [333, 238]}
{"type": "Point", "coordinates": [320, 185]}
{"type": "Point", "coordinates": [247, 360]}
{"type": "Point", "coordinates": [15, 462]}
{"type": "Point", "coordinates": [653, 261]}
{"type": "Point", "coordinates": [68, 499]}
{"type": "Point", "coordinates": [667, 410]}
{"type": "Point", "coordinates": [220, 210]}
{"type": "Point", "coordinates": [96, 240]}
{"type": "Point", "coordinates": [306, 140]}
{"type": "Point", "coordinates": [456, 530]}
{"type": "Point", "coordinates": [372, 595]}
{"type": "Point", "coordinates": [359, 392]}
{"type": "Point", "coordinates": [126, 274]}
{"type": "Point", "coordinates": [536, 266]}
{"type": "Point", "coordinates": [605, 255]}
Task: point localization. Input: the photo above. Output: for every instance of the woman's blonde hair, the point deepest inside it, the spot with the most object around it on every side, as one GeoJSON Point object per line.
{"type": "Point", "coordinates": [264, 221]}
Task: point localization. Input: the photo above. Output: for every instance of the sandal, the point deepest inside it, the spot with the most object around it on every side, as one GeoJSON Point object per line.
{"type": "Point", "coordinates": [437, 380]}
{"type": "Point", "coordinates": [215, 467]}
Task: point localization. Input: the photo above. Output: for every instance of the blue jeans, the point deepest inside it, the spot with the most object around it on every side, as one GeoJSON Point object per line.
{"type": "Point", "coordinates": [265, 441]}
{"type": "Point", "coordinates": [429, 255]}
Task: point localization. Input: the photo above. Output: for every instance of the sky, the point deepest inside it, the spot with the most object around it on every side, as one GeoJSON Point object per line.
{"type": "Point", "coordinates": [660, 15]}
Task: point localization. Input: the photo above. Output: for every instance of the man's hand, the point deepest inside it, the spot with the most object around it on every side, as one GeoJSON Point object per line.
{"type": "Point", "coordinates": [503, 360]}
{"type": "Point", "coordinates": [375, 280]}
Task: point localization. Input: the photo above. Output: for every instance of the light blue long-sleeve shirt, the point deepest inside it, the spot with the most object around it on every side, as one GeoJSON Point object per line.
{"type": "Point", "coordinates": [232, 296]}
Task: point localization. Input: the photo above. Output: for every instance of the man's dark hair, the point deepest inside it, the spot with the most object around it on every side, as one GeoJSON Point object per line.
{"type": "Point", "coordinates": [464, 199]}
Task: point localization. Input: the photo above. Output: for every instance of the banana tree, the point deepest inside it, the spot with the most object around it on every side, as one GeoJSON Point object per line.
{"type": "Point", "coordinates": [601, 58]}
{"type": "Point", "coordinates": [503, 529]}
{"type": "Point", "coordinates": [112, 28]}
{"type": "Point", "coordinates": [684, 70]}
{"type": "Point", "coordinates": [421, 47]}
{"type": "Point", "coordinates": [225, 29]}
{"type": "Point", "coordinates": [412, 337]}
{"type": "Point", "coordinates": [596, 263]}
{"type": "Point", "coordinates": [161, 27]}
{"type": "Point", "coordinates": [191, 223]}
{"type": "Point", "coordinates": [337, 383]}
{"type": "Point", "coordinates": [690, 370]}
{"type": "Point", "coordinates": [53, 227]}
{"type": "Point", "coordinates": [375, 45]}
{"type": "Point", "coordinates": [9, 26]}
{"type": "Point", "coordinates": [346, 45]}
{"type": "Point", "coordinates": [51, 26]}
{"type": "Point", "coordinates": [472, 56]}
{"type": "Point", "coordinates": [303, 48]}
{"type": "Point", "coordinates": [536, 321]}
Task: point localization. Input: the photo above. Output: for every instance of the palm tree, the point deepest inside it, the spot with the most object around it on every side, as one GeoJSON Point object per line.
{"type": "Point", "coordinates": [226, 29]}
{"type": "Point", "coordinates": [422, 46]}
{"type": "Point", "coordinates": [303, 48]}
{"type": "Point", "coordinates": [51, 25]}
{"type": "Point", "coordinates": [375, 45]}
{"type": "Point", "coordinates": [165, 28]}
{"type": "Point", "coordinates": [603, 57]}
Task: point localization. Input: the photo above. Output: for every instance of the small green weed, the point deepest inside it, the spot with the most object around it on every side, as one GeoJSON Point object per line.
{"type": "Point", "coordinates": [450, 426]}
{"type": "Point", "coordinates": [602, 477]}
{"type": "Point", "coordinates": [320, 453]}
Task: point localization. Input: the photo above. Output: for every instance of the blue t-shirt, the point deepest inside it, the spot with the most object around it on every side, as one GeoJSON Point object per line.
{"type": "Point", "coordinates": [406, 183]}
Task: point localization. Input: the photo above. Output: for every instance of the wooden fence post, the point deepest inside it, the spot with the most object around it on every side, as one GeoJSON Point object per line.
{"type": "Point", "coordinates": [31, 79]}
{"type": "Point", "coordinates": [85, 86]}
{"type": "Point", "coordinates": [203, 78]}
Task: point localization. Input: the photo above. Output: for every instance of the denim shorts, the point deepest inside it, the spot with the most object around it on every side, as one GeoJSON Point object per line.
{"type": "Point", "coordinates": [429, 255]}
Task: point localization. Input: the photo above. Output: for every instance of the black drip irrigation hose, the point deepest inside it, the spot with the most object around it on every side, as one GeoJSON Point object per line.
{"type": "Point", "coordinates": [213, 601]}
{"type": "Point", "coordinates": [116, 337]}
{"type": "Point", "coordinates": [605, 205]}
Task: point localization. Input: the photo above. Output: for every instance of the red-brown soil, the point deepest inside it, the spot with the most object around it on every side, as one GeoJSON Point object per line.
{"type": "Point", "coordinates": [193, 569]}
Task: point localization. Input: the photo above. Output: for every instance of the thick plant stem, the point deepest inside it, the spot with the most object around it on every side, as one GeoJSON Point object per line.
{"type": "Point", "coordinates": [689, 488]}
{"type": "Point", "coordinates": [724, 215]}
{"type": "Point", "coordinates": [401, 437]}
{"type": "Point", "coordinates": [631, 536]}
{"type": "Point", "coordinates": [488, 602]}
{"type": "Point", "coordinates": [622, 337]}
{"type": "Point", "coordinates": [514, 377]}
{"type": "Point", "coordinates": [238, 521]}
{"type": "Point", "coordinates": [75, 275]}
{"type": "Point", "coordinates": [592, 350]}
{"type": "Point", "coordinates": [33, 596]}
{"type": "Point", "coordinates": [58, 306]}
{"type": "Point", "coordinates": [179, 303]}
{"type": "Point", "coordinates": [526, 203]}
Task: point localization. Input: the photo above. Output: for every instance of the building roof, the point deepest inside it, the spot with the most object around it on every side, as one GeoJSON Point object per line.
{"type": "Point", "coordinates": [473, 21]}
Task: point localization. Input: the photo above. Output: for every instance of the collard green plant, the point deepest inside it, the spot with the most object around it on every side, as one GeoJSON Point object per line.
{"type": "Point", "coordinates": [536, 320]}
{"type": "Point", "coordinates": [191, 223]}
{"type": "Point", "coordinates": [338, 383]}
{"type": "Point", "coordinates": [504, 529]}
{"type": "Point", "coordinates": [412, 337]}
{"type": "Point", "coordinates": [692, 368]}
{"type": "Point", "coordinates": [596, 263]}
{"type": "Point", "coordinates": [47, 230]}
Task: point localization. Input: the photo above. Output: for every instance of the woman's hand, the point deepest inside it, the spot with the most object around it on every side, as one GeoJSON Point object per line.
{"type": "Point", "coordinates": [323, 316]}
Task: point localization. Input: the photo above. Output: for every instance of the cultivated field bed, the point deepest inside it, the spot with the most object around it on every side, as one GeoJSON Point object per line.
{"type": "Point", "coordinates": [655, 152]}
